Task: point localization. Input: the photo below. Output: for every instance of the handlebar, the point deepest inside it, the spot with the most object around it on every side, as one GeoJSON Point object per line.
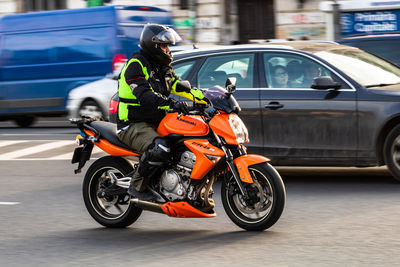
{"type": "Point", "coordinates": [191, 112]}
{"type": "Point", "coordinates": [196, 109]}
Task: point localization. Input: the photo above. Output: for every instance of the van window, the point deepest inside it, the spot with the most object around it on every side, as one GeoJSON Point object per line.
{"type": "Point", "coordinates": [57, 46]}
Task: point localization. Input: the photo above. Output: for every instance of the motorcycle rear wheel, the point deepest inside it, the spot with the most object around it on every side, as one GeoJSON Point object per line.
{"type": "Point", "coordinates": [113, 211]}
{"type": "Point", "coordinates": [267, 201]}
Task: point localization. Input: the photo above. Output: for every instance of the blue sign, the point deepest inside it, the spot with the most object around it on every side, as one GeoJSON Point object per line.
{"type": "Point", "coordinates": [370, 22]}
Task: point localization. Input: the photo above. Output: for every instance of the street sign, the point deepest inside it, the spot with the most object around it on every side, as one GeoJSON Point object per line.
{"type": "Point", "coordinates": [370, 22]}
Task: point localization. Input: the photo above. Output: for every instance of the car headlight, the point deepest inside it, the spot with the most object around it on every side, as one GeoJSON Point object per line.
{"type": "Point", "coordinates": [239, 129]}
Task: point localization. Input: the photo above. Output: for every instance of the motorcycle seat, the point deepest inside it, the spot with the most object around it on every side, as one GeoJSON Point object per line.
{"type": "Point", "coordinates": [108, 131]}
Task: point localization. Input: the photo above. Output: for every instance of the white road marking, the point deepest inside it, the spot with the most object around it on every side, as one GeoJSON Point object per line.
{"type": "Point", "coordinates": [31, 147]}
{"type": "Point", "coordinates": [11, 142]}
{"type": "Point", "coordinates": [34, 149]}
{"type": "Point", "coordinates": [10, 203]}
{"type": "Point", "coordinates": [70, 154]}
{"type": "Point", "coordinates": [62, 156]}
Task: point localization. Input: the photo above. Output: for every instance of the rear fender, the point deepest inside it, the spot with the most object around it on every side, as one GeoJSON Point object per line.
{"type": "Point", "coordinates": [81, 155]}
{"type": "Point", "coordinates": [242, 164]}
{"type": "Point", "coordinates": [109, 148]}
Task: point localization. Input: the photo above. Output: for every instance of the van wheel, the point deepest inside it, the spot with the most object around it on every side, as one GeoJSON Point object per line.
{"type": "Point", "coordinates": [26, 121]}
{"type": "Point", "coordinates": [391, 152]}
{"type": "Point", "coordinates": [91, 109]}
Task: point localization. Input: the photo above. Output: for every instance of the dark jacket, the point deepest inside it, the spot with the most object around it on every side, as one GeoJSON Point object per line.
{"type": "Point", "coordinates": [151, 94]}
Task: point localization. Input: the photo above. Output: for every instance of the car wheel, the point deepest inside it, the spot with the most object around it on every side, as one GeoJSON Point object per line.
{"type": "Point", "coordinates": [391, 152]}
{"type": "Point", "coordinates": [25, 121]}
{"type": "Point", "coordinates": [91, 109]}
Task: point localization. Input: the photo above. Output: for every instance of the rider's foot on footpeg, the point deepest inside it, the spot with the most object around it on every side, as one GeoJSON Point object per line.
{"type": "Point", "coordinates": [146, 195]}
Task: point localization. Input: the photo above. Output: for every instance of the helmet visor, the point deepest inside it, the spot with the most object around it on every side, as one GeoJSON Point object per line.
{"type": "Point", "coordinates": [167, 36]}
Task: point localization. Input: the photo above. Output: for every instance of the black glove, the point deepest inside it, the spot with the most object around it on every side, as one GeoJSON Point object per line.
{"type": "Point", "coordinates": [180, 107]}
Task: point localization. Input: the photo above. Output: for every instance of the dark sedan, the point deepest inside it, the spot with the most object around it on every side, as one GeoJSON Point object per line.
{"type": "Point", "coordinates": [307, 103]}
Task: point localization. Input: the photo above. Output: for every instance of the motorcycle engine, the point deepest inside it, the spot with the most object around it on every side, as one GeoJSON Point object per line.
{"type": "Point", "coordinates": [174, 183]}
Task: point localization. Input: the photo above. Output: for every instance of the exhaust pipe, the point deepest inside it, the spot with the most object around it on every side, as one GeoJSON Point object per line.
{"type": "Point", "coordinates": [147, 205]}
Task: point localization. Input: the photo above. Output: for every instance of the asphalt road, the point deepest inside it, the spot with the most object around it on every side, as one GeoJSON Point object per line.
{"type": "Point", "coordinates": [333, 217]}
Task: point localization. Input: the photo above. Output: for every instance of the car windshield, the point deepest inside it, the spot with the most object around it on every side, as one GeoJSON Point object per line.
{"type": "Point", "coordinates": [366, 69]}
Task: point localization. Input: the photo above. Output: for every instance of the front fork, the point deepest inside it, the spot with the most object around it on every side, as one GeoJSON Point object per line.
{"type": "Point", "coordinates": [231, 165]}
{"type": "Point", "coordinates": [239, 166]}
{"type": "Point", "coordinates": [235, 174]}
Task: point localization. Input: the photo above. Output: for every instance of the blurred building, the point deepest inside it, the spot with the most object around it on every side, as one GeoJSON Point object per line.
{"type": "Point", "coordinates": [215, 21]}
{"type": "Point", "coordinates": [299, 19]}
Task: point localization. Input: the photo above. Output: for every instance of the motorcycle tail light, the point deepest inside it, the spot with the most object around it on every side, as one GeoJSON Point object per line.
{"type": "Point", "coordinates": [78, 139]}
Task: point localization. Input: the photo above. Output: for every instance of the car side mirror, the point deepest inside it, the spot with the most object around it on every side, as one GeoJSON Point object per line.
{"type": "Point", "coordinates": [230, 85]}
{"type": "Point", "coordinates": [183, 86]}
{"type": "Point", "coordinates": [324, 82]}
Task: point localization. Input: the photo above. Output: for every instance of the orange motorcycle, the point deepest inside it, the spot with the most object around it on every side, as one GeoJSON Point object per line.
{"type": "Point", "coordinates": [206, 146]}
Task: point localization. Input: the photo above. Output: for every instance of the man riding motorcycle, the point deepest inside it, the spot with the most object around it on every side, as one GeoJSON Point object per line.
{"type": "Point", "coordinates": [145, 82]}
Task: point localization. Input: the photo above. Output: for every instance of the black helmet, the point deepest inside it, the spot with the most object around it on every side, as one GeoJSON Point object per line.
{"type": "Point", "coordinates": [152, 36]}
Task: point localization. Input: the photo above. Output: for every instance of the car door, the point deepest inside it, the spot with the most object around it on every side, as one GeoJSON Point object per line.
{"type": "Point", "coordinates": [304, 125]}
{"type": "Point", "coordinates": [217, 68]}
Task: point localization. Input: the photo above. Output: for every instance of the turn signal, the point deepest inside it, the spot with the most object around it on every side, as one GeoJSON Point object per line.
{"type": "Point", "coordinates": [214, 159]}
{"type": "Point", "coordinates": [78, 139]}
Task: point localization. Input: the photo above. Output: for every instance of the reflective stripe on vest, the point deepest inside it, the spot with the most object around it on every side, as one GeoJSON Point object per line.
{"type": "Point", "coordinates": [126, 97]}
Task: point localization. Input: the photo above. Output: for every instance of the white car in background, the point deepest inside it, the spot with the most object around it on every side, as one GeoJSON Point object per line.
{"type": "Point", "coordinates": [92, 99]}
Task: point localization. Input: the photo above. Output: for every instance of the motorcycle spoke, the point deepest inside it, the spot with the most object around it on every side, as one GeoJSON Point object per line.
{"type": "Point", "coordinates": [107, 206]}
{"type": "Point", "coordinates": [118, 208]}
{"type": "Point", "coordinates": [262, 192]}
{"type": "Point", "coordinates": [396, 156]}
{"type": "Point", "coordinates": [110, 206]}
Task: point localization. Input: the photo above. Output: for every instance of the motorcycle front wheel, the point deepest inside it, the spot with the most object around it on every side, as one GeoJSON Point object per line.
{"type": "Point", "coordinates": [107, 203]}
{"type": "Point", "coordinates": [266, 200]}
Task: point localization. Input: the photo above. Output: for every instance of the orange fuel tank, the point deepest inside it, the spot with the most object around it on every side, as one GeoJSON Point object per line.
{"type": "Point", "coordinates": [186, 125]}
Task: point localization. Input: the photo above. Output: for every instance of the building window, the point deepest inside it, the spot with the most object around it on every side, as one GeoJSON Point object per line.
{"type": "Point", "coordinates": [40, 5]}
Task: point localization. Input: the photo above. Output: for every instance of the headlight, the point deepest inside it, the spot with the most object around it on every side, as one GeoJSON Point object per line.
{"type": "Point", "coordinates": [238, 127]}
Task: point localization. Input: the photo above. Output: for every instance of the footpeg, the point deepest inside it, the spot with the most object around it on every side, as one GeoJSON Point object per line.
{"type": "Point", "coordinates": [123, 182]}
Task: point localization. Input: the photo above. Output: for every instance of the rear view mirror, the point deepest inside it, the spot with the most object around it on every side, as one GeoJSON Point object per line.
{"type": "Point", "coordinates": [230, 85]}
{"type": "Point", "coordinates": [324, 82]}
{"type": "Point", "coordinates": [183, 86]}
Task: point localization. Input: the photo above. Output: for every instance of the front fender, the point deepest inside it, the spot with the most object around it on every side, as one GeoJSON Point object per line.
{"type": "Point", "coordinates": [243, 162]}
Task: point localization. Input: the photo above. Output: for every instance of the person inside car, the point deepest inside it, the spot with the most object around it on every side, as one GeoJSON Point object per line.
{"type": "Point", "coordinates": [295, 74]}
{"type": "Point", "coordinates": [311, 71]}
{"type": "Point", "coordinates": [144, 84]}
{"type": "Point", "coordinates": [279, 77]}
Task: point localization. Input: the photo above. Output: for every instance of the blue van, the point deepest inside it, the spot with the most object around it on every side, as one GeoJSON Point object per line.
{"type": "Point", "coordinates": [44, 55]}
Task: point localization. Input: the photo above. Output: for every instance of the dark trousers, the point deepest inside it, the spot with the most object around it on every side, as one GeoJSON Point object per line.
{"type": "Point", "coordinates": [139, 136]}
